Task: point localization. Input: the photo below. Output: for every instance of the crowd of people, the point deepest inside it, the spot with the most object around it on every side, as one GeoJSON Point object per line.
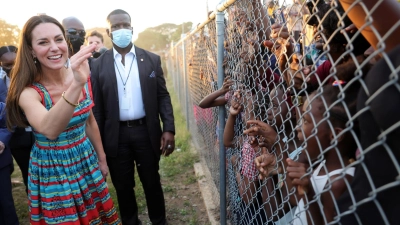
{"type": "Point", "coordinates": [305, 126]}
{"type": "Point", "coordinates": [72, 113]}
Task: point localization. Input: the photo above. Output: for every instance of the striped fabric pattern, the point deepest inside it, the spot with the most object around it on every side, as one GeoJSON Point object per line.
{"type": "Point", "coordinates": [65, 183]}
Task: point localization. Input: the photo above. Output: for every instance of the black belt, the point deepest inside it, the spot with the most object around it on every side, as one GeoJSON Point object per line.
{"type": "Point", "coordinates": [132, 123]}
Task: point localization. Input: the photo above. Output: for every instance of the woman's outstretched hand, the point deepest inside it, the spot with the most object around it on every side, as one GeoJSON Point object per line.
{"type": "Point", "coordinates": [79, 64]}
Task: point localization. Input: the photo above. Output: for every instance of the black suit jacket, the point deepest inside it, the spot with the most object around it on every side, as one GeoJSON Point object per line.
{"type": "Point", "coordinates": [156, 99]}
{"type": "Point", "coordinates": [3, 89]}
{"type": "Point", "coordinates": [20, 137]}
{"type": "Point", "coordinates": [5, 135]}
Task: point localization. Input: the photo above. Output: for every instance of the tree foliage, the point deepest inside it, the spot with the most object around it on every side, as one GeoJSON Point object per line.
{"type": "Point", "coordinates": [176, 36]}
{"type": "Point", "coordinates": [9, 34]}
{"type": "Point", "coordinates": [153, 38]}
{"type": "Point", "coordinates": [158, 38]}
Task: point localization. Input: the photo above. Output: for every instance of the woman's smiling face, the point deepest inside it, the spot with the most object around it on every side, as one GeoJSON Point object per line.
{"type": "Point", "coordinates": [49, 46]}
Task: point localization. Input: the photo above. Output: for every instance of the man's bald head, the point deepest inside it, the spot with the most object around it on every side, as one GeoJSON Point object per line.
{"type": "Point", "coordinates": [75, 32]}
{"type": "Point", "coordinates": [72, 22]}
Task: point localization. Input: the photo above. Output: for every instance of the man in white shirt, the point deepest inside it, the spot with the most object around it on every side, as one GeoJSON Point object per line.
{"type": "Point", "coordinates": [131, 97]}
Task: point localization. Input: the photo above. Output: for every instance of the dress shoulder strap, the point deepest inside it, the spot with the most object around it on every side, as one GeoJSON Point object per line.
{"type": "Point", "coordinates": [46, 98]}
{"type": "Point", "coordinates": [88, 89]}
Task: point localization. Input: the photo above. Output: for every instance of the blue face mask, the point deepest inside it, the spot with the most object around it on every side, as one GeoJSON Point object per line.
{"type": "Point", "coordinates": [122, 37]}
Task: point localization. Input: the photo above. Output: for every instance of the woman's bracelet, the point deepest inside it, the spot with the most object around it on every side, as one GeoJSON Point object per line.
{"type": "Point", "coordinates": [72, 104]}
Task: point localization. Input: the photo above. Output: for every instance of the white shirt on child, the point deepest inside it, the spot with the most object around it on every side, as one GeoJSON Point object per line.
{"type": "Point", "coordinates": [318, 183]}
{"type": "Point", "coordinates": [288, 216]}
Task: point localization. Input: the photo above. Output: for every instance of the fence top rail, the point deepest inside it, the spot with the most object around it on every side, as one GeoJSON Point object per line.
{"type": "Point", "coordinates": [220, 7]}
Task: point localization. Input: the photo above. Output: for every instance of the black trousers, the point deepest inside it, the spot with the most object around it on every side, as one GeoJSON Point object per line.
{"type": "Point", "coordinates": [134, 148]}
{"type": "Point", "coordinates": [21, 144]}
{"type": "Point", "coordinates": [8, 215]}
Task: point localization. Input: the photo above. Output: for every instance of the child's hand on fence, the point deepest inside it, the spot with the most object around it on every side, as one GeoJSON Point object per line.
{"type": "Point", "coordinates": [266, 165]}
{"type": "Point", "coordinates": [236, 97]}
{"type": "Point", "coordinates": [255, 45]}
{"type": "Point", "coordinates": [259, 128]}
{"type": "Point", "coordinates": [279, 44]}
{"type": "Point", "coordinates": [250, 106]}
{"type": "Point", "coordinates": [226, 86]}
{"type": "Point", "coordinates": [279, 38]}
{"type": "Point", "coordinates": [254, 142]}
{"type": "Point", "coordinates": [243, 22]}
{"type": "Point", "coordinates": [298, 173]}
{"type": "Point", "coordinates": [251, 26]}
{"type": "Point", "coordinates": [279, 31]}
{"type": "Point", "coordinates": [236, 105]}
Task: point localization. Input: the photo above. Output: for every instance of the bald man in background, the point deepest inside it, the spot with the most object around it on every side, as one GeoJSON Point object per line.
{"type": "Point", "coordinates": [76, 35]}
{"type": "Point", "coordinates": [75, 32]}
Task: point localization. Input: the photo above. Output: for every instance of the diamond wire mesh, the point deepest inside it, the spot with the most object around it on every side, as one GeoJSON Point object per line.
{"type": "Point", "coordinates": [306, 98]}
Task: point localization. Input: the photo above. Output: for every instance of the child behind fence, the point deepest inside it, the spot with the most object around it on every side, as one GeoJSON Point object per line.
{"type": "Point", "coordinates": [248, 174]}
{"type": "Point", "coordinates": [278, 142]}
{"type": "Point", "coordinates": [248, 106]}
{"type": "Point", "coordinates": [329, 137]}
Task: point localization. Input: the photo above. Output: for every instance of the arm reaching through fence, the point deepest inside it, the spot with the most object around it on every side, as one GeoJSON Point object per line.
{"type": "Point", "coordinates": [384, 19]}
{"type": "Point", "coordinates": [217, 98]}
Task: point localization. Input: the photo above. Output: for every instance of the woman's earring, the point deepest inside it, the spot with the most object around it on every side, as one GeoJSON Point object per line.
{"type": "Point", "coordinates": [35, 60]}
{"type": "Point", "coordinates": [67, 64]}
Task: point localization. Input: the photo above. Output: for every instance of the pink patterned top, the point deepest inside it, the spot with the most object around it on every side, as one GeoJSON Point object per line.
{"type": "Point", "coordinates": [248, 166]}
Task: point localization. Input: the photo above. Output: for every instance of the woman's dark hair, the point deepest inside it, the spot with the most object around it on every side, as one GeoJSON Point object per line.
{"type": "Point", "coordinates": [26, 69]}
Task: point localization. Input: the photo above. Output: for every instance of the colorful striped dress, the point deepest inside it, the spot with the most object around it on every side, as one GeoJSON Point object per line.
{"type": "Point", "coordinates": [65, 184]}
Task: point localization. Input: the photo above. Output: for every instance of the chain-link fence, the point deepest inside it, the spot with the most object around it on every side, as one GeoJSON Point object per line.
{"type": "Point", "coordinates": [295, 107]}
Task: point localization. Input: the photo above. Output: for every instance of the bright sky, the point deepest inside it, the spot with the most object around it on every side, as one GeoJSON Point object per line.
{"type": "Point", "coordinates": [144, 13]}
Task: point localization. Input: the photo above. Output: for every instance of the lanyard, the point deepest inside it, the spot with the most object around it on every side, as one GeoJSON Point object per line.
{"type": "Point", "coordinates": [120, 76]}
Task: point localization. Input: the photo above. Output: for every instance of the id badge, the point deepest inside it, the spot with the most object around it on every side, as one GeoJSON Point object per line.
{"type": "Point", "coordinates": [126, 102]}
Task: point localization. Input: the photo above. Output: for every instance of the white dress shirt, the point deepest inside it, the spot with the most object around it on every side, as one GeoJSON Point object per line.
{"type": "Point", "coordinates": [131, 105]}
{"type": "Point", "coordinates": [8, 81]}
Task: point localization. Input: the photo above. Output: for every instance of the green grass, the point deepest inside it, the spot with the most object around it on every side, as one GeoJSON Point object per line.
{"type": "Point", "coordinates": [20, 197]}
{"type": "Point", "coordinates": [185, 158]}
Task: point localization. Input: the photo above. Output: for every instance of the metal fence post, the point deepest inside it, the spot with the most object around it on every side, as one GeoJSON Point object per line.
{"type": "Point", "coordinates": [221, 114]}
{"type": "Point", "coordinates": [185, 79]}
{"type": "Point", "coordinates": [172, 64]}
{"type": "Point", "coordinates": [177, 73]}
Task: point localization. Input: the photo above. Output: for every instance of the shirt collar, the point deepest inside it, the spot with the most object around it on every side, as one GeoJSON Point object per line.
{"type": "Point", "coordinates": [115, 52]}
